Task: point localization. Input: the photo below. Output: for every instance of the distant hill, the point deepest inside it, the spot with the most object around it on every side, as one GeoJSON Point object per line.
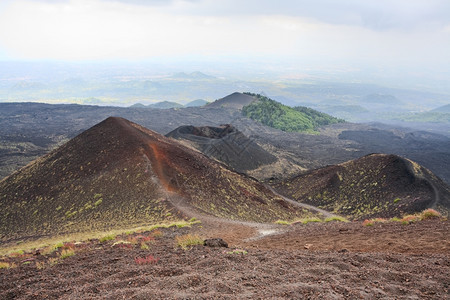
{"type": "Point", "coordinates": [226, 144]}
{"type": "Point", "coordinates": [442, 109]}
{"type": "Point", "coordinates": [118, 174]}
{"type": "Point", "coordinates": [274, 114]}
{"type": "Point", "coordinates": [196, 103]}
{"type": "Point", "coordinates": [428, 117]}
{"type": "Point", "coordinates": [158, 105]}
{"type": "Point", "coordinates": [138, 105]}
{"type": "Point", "coordinates": [376, 185]}
{"type": "Point", "coordinates": [381, 99]}
{"type": "Point", "coordinates": [165, 105]}
{"type": "Point", "coordinates": [194, 75]}
{"type": "Point", "coordinates": [235, 100]}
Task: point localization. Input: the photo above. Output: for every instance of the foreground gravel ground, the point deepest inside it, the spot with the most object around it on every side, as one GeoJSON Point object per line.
{"type": "Point", "coordinates": [287, 270]}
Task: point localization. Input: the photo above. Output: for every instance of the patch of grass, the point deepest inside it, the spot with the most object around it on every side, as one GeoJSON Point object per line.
{"type": "Point", "coordinates": [430, 214]}
{"type": "Point", "coordinates": [6, 265]}
{"type": "Point", "coordinates": [307, 220]}
{"type": "Point", "coordinates": [107, 238]}
{"type": "Point", "coordinates": [58, 245]}
{"type": "Point", "coordinates": [282, 222]}
{"type": "Point", "coordinates": [17, 253]}
{"type": "Point", "coordinates": [238, 251]}
{"type": "Point", "coordinates": [50, 249]}
{"type": "Point", "coordinates": [373, 221]}
{"type": "Point", "coordinates": [40, 265]}
{"type": "Point", "coordinates": [408, 219]}
{"type": "Point", "coordinates": [53, 261]}
{"type": "Point", "coordinates": [67, 253]}
{"type": "Point", "coordinates": [336, 219]}
{"type": "Point", "coordinates": [157, 233]}
{"type": "Point", "coordinates": [144, 246]}
{"type": "Point", "coordinates": [6, 250]}
{"type": "Point", "coordinates": [187, 240]}
{"type": "Point", "coordinates": [311, 220]}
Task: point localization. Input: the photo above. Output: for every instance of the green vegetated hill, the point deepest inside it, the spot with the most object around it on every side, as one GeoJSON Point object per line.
{"type": "Point", "coordinates": [118, 174]}
{"type": "Point", "coordinates": [274, 114]}
{"type": "Point", "coordinates": [376, 185]}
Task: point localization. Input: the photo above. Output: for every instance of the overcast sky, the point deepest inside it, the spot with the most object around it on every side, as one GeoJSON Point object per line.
{"type": "Point", "coordinates": [365, 32]}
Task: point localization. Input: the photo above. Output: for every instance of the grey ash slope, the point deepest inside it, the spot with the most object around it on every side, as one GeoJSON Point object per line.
{"type": "Point", "coordinates": [235, 100]}
{"type": "Point", "coordinates": [226, 144]}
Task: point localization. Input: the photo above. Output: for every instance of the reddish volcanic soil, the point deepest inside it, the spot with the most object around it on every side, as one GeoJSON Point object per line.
{"type": "Point", "coordinates": [343, 261]}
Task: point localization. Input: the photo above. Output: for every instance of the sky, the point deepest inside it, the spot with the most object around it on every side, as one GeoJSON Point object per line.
{"type": "Point", "coordinates": [411, 35]}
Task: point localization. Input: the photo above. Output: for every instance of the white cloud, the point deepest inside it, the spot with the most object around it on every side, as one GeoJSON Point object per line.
{"type": "Point", "coordinates": [323, 30]}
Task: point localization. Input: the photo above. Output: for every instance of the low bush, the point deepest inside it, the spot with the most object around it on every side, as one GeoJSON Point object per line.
{"type": "Point", "coordinates": [430, 214]}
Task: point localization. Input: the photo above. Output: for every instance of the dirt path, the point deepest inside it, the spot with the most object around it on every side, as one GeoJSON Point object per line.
{"type": "Point", "coordinates": [325, 213]}
{"type": "Point", "coordinates": [233, 231]}
{"type": "Point", "coordinates": [433, 186]}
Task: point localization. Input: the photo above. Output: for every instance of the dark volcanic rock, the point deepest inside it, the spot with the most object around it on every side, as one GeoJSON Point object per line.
{"type": "Point", "coordinates": [216, 242]}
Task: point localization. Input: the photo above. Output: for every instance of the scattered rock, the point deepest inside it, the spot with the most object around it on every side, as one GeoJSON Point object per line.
{"type": "Point", "coordinates": [216, 242]}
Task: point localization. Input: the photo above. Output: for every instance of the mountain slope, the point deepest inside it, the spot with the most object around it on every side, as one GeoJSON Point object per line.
{"type": "Point", "coordinates": [165, 105]}
{"type": "Point", "coordinates": [226, 144]}
{"type": "Point", "coordinates": [376, 185]}
{"type": "Point", "coordinates": [442, 109]}
{"type": "Point", "coordinates": [235, 100]}
{"type": "Point", "coordinates": [119, 174]}
{"type": "Point", "coordinates": [196, 103]}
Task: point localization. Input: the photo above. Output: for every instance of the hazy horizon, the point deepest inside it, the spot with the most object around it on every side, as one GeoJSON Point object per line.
{"type": "Point", "coordinates": [401, 44]}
